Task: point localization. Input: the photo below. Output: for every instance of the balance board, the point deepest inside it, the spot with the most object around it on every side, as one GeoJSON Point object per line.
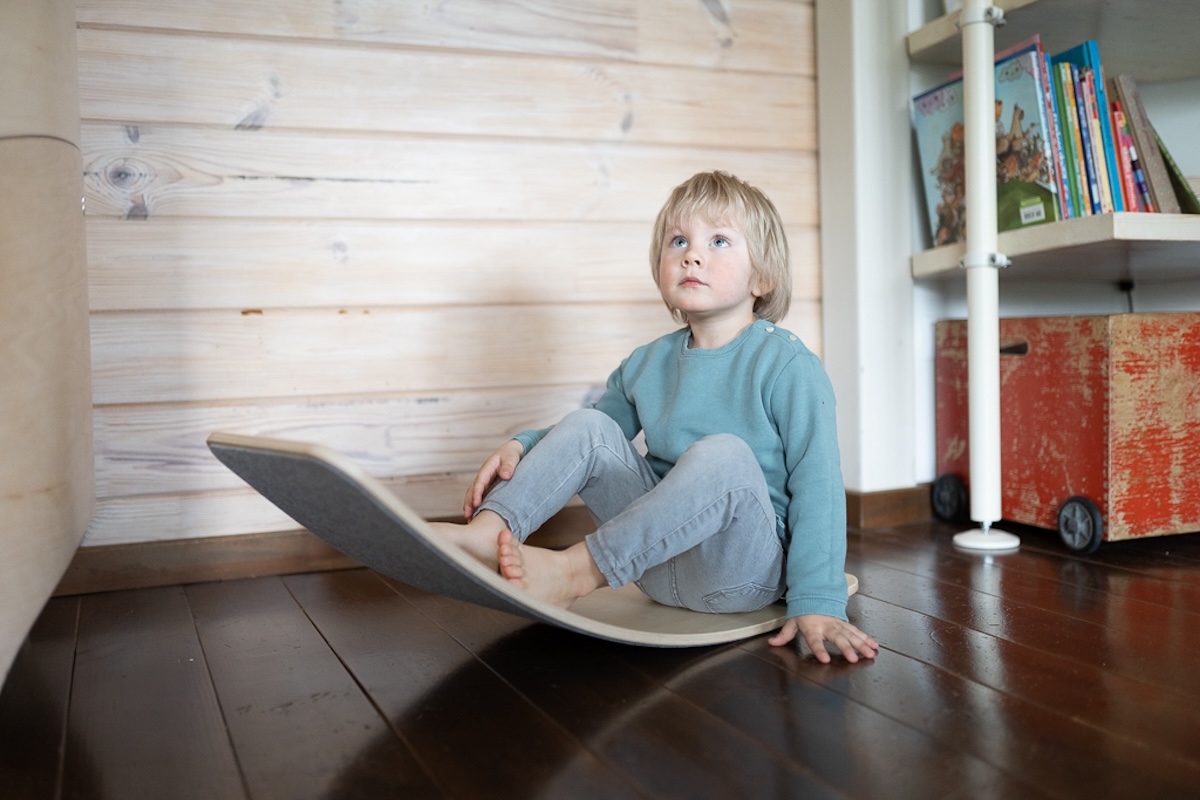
{"type": "Point", "coordinates": [339, 502]}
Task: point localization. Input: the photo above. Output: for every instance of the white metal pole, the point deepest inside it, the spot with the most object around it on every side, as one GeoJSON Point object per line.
{"type": "Point", "coordinates": [982, 263]}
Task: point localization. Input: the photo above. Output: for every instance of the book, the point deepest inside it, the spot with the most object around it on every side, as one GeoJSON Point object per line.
{"type": "Point", "coordinates": [1087, 55]}
{"type": "Point", "coordinates": [1125, 157]}
{"type": "Point", "coordinates": [1188, 204]}
{"type": "Point", "coordinates": [1149, 156]}
{"type": "Point", "coordinates": [1099, 150]}
{"type": "Point", "coordinates": [1057, 143]}
{"type": "Point", "coordinates": [1087, 156]}
{"type": "Point", "coordinates": [1072, 143]}
{"type": "Point", "coordinates": [1026, 183]}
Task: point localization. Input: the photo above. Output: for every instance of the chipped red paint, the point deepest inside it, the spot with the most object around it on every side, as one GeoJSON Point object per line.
{"type": "Point", "coordinates": [1107, 407]}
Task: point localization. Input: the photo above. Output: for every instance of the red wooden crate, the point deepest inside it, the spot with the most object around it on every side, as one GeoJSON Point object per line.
{"type": "Point", "coordinates": [1099, 407]}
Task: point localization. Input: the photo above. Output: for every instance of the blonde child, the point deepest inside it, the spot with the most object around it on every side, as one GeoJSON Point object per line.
{"type": "Point", "coordinates": [739, 500]}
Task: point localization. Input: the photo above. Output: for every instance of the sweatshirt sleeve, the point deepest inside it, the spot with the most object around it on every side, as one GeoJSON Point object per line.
{"type": "Point", "coordinates": [803, 405]}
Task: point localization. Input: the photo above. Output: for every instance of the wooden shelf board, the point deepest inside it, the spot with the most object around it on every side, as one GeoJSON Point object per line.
{"type": "Point", "coordinates": [1153, 41]}
{"type": "Point", "coordinates": [1105, 247]}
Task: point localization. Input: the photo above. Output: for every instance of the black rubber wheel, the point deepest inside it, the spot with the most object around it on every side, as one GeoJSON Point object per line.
{"type": "Point", "coordinates": [949, 498]}
{"type": "Point", "coordinates": [1080, 525]}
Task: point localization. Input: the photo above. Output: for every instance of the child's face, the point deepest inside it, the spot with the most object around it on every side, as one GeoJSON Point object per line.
{"type": "Point", "coordinates": [704, 270]}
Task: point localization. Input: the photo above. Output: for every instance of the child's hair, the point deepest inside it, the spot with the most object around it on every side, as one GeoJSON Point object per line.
{"type": "Point", "coordinates": [726, 199]}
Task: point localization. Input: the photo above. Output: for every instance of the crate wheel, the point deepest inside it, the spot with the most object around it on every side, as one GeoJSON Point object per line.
{"type": "Point", "coordinates": [1080, 525]}
{"type": "Point", "coordinates": [949, 498]}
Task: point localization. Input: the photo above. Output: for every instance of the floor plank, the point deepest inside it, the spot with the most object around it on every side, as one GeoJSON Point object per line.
{"type": "Point", "coordinates": [301, 726]}
{"type": "Point", "coordinates": [1032, 674]}
{"type": "Point", "coordinates": [1045, 745]}
{"type": "Point", "coordinates": [144, 720]}
{"type": "Point", "coordinates": [1162, 653]}
{"type": "Point", "coordinates": [1080, 581]}
{"type": "Point", "coordinates": [34, 703]}
{"type": "Point", "coordinates": [858, 750]}
{"type": "Point", "coordinates": [661, 742]}
{"type": "Point", "coordinates": [475, 733]}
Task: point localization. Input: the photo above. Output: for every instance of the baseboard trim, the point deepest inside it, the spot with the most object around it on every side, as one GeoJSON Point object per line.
{"type": "Point", "coordinates": [888, 508]}
{"type": "Point", "coordinates": [142, 565]}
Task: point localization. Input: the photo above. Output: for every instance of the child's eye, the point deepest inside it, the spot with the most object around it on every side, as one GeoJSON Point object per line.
{"type": "Point", "coordinates": [678, 241]}
{"type": "Point", "coordinates": [721, 241]}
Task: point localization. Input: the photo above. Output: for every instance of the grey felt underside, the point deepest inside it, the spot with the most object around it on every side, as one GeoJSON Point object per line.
{"type": "Point", "coordinates": [357, 515]}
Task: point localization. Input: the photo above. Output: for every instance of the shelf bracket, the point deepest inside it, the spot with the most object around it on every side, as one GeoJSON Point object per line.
{"type": "Point", "coordinates": [992, 15]}
{"type": "Point", "coordinates": [973, 260]}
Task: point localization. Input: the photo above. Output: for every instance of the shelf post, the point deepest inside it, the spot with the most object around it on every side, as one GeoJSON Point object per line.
{"type": "Point", "coordinates": [982, 262]}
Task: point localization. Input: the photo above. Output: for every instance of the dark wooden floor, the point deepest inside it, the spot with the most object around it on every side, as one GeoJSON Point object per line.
{"type": "Point", "coordinates": [1034, 674]}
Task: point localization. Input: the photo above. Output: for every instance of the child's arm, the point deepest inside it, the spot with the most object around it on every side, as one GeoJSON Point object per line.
{"type": "Point", "coordinates": [817, 629]}
{"type": "Point", "coordinates": [803, 406]}
{"type": "Point", "coordinates": [498, 466]}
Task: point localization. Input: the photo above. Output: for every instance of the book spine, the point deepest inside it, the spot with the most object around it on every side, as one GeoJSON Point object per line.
{"type": "Point", "coordinates": [1158, 181]}
{"type": "Point", "coordinates": [1114, 170]}
{"type": "Point", "coordinates": [1122, 141]}
{"type": "Point", "coordinates": [1066, 110]}
{"type": "Point", "coordinates": [1089, 164]}
{"type": "Point", "coordinates": [1087, 81]}
{"type": "Point", "coordinates": [1056, 141]}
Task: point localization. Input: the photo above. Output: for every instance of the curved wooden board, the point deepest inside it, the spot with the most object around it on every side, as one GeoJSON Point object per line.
{"type": "Point", "coordinates": [335, 499]}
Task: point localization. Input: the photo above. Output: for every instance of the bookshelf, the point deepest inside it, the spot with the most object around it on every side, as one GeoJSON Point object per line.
{"type": "Point", "coordinates": [1153, 41]}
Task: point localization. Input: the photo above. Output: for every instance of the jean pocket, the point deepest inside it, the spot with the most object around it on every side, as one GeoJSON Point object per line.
{"type": "Point", "coordinates": [747, 597]}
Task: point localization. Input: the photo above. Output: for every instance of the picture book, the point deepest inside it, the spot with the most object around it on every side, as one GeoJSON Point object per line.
{"type": "Point", "coordinates": [1027, 190]}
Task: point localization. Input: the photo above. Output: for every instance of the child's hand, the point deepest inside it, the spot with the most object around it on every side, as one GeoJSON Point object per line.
{"type": "Point", "coordinates": [816, 629]}
{"type": "Point", "coordinates": [499, 466]}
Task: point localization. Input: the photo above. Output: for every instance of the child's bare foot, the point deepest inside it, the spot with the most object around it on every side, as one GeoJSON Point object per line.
{"type": "Point", "coordinates": [477, 537]}
{"type": "Point", "coordinates": [558, 577]}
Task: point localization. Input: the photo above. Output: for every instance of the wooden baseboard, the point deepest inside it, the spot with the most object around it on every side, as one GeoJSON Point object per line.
{"type": "Point", "coordinates": [142, 565]}
{"type": "Point", "coordinates": [885, 509]}
{"type": "Point", "coordinates": [221, 558]}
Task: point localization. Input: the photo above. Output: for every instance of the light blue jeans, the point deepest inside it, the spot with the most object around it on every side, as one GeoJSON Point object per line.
{"type": "Point", "coordinates": [703, 537]}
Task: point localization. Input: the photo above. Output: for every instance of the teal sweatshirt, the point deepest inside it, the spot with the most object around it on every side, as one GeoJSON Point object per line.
{"type": "Point", "coordinates": [770, 390]}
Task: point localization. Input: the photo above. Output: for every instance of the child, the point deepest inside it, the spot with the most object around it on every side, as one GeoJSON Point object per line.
{"type": "Point", "coordinates": [739, 499]}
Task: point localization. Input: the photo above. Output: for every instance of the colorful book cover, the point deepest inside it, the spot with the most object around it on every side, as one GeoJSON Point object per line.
{"type": "Point", "coordinates": [1026, 186]}
{"type": "Point", "coordinates": [1088, 55]}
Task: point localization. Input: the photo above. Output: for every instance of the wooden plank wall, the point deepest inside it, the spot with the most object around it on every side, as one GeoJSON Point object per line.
{"type": "Point", "coordinates": [405, 230]}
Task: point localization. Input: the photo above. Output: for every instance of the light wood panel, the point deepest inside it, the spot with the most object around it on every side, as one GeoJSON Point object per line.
{"type": "Point", "coordinates": [402, 230]}
{"type": "Point", "coordinates": [161, 448]}
{"type": "Point", "coordinates": [146, 171]}
{"type": "Point", "coordinates": [252, 84]}
{"type": "Point", "coordinates": [215, 355]}
{"type": "Point", "coordinates": [190, 263]}
{"type": "Point", "coordinates": [757, 35]}
{"type": "Point", "coordinates": [165, 517]}
{"type": "Point", "coordinates": [46, 471]}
